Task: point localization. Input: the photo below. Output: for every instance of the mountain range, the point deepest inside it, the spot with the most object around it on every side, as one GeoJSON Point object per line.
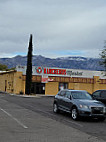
{"type": "Point", "coordinates": [62, 62]}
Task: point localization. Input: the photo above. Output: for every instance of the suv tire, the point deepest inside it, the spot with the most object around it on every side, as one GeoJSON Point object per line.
{"type": "Point", "coordinates": [55, 108]}
{"type": "Point", "coordinates": [74, 113]}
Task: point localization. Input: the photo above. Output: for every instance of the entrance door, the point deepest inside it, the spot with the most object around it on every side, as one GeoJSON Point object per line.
{"type": "Point", "coordinates": [63, 86]}
{"type": "Point", "coordinates": [5, 85]}
{"type": "Point", "coordinates": [38, 88]}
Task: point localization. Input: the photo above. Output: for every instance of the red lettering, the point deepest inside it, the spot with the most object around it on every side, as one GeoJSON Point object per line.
{"type": "Point", "coordinates": [50, 71]}
{"type": "Point", "coordinates": [54, 71]}
{"type": "Point", "coordinates": [47, 71]}
{"type": "Point", "coordinates": [59, 71]}
{"type": "Point", "coordinates": [44, 70]}
{"type": "Point", "coordinates": [64, 72]}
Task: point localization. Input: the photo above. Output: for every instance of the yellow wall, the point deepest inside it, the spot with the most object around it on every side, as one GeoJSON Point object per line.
{"type": "Point", "coordinates": [7, 82]}
{"type": "Point", "coordinates": [19, 84]}
{"type": "Point", "coordinates": [97, 84]}
{"type": "Point", "coordinates": [14, 82]}
{"type": "Point", "coordinates": [102, 86]}
{"type": "Point", "coordinates": [71, 86]}
{"type": "Point", "coordinates": [51, 88]}
{"type": "Point", "coordinates": [81, 86]}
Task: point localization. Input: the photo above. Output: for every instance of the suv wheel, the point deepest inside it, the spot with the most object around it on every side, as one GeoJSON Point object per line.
{"type": "Point", "coordinates": [55, 108]}
{"type": "Point", "coordinates": [74, 113]}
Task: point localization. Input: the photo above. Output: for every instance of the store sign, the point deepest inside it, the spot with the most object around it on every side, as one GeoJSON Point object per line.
{"type": "Point", "coordinates": [55, 71]}
{"type": "Point", "coordinates": [51, 71]}
{"type": "Point", "coordinates": [39, 70]}
{"type": "Point", "coordinates": [45, 79]}
{"type": "Point", "coordinates": [75, 73]}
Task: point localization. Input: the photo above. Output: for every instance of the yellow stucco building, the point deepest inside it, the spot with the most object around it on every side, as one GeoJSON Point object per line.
{"type": "Point", "coordinates": [49, 81]}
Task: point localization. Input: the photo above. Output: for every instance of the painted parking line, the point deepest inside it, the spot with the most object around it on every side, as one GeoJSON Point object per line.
{"type": "Point", "coordinates": [21, 124]}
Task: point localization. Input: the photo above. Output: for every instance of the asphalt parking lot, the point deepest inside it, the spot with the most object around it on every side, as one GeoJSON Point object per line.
{"type": "Point", "coordinates": [31, 119]}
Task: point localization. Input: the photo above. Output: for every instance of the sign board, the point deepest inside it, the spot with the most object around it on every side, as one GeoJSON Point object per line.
{"type": "Point", "coordinates": [44, 79]}
{"type": "Point", "coordinates": [52, 71]}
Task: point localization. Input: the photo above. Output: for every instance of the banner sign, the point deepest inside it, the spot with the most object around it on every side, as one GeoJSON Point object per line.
{"type": "Point", "coordinates": [57, 71]}
{"type": "Point", "coordinates": [52, 71]}
{"type": "Point", "coordinates": [44, 79]}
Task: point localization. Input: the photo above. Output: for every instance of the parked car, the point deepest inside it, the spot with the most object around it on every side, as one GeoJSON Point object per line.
{"type": "Point", "coordinates": [100, 95]}
{"type": "Point", "coordinates": [78, 103]}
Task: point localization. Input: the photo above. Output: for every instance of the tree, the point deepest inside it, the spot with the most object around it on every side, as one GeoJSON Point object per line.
{"type": "Point", "coordinates": [103, 57]}
{"type": "Point", "coordinates": [3, 67]}
{"type": "Point", "coordinates": [29, 68]}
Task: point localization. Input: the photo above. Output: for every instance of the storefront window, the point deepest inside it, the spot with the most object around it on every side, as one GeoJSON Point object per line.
{"type": "Point", "coordinates": [63, 86]}
{"type": "Point", "coordinates": [38, 88]}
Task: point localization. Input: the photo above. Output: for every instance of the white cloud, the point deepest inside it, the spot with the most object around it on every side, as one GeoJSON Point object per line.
{"type": "Point", "coordinates": [59, 27]}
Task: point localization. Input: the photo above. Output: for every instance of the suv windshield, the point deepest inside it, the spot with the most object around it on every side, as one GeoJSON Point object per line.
{"type": "Point", "coordinates": [81, 95]}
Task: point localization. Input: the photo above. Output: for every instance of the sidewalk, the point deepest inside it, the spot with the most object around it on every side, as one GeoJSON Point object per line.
{"type": "Point", "coordinates": [33, 95]}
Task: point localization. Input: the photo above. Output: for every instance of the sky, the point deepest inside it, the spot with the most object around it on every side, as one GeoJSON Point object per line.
{"type": "Point", "coordinates": [60, 28]}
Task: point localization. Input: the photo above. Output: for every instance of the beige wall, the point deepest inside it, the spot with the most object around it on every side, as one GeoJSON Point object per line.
{"type": "Point", "coordinates": [81, 86]}
{"type": "Point", "coordinates": [51, 88]}
{"type": "Point", "coordinates": [102, 86]}
{"type": "Point", "coordinates": [14, 82]}
{"type": "Point", "coordinates": [98, 84]}
{"type": "Point", "coordinates": [7, 82]}
{"type": "Point", "coordinates": [19, 84]}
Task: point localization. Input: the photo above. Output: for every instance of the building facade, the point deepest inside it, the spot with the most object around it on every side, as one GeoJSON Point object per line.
{"type": "Point", "coordinates": [49, 80]}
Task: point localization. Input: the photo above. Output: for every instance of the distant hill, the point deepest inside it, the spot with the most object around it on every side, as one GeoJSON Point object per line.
{"type": "Point", "coordinates": [63, 62]}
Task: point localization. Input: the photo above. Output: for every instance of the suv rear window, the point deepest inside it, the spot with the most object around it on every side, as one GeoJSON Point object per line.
{"type": "Point", "coordinates": [103, 94]}
{"type": "Point", "coordinates": [96, 94]}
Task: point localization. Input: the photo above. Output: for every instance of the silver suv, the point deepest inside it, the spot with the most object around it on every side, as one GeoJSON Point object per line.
{"type": "Point", "coordinates": [78, 103]}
